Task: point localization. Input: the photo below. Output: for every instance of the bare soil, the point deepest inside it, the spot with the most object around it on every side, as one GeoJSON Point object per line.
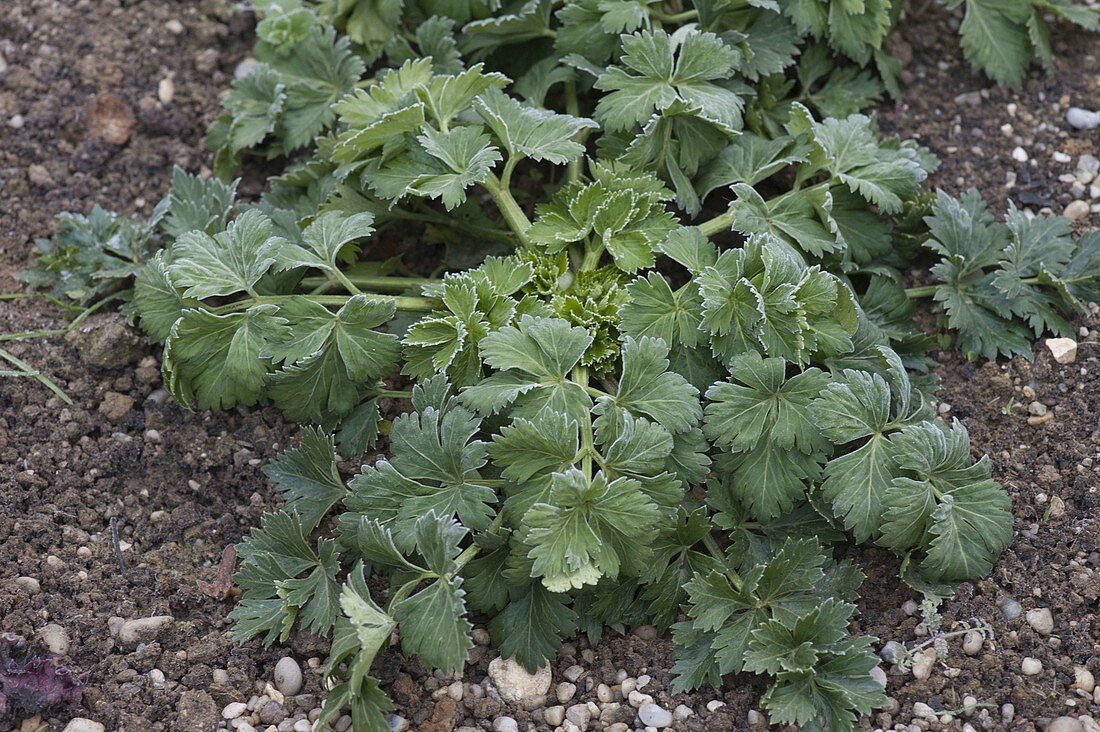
{"type": "Point", "coordinates": [82, 79]}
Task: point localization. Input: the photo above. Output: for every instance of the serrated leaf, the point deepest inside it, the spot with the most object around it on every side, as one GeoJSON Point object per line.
{"type": "Point", "coordinates": [433, 625]}
{"type": "Point", "coordinates": [323, 241]}
{"type": "Point", "coordinates": [530, 132]}
{"type": "Point", "coordinates": [794, 217]}
{"type": "Point", "coordinates": [532, 360]}
{"type": "Point", "coordinates": [882, 174]}
{"type": "Point", "coordinates": [332, 358]}
{"type": "Point", "coordinates": [194, 203]}
{"type": "Point", "coordinates": [434, 468]}
{"type": "Point", "coordinates": [157, 300]}
{"type": "Point", "coordinates": [946, 503]}
{"type": "Point", "coordinates": [994, 39]}
{"type": "Point", "coordinates": [760, 402]}
{"type": "Point", "coordinates": [660, 70]}
{"type": "Point", "coordinates": [647, 387]}
{"type": "Point", "coordinates": [308, 478]}
{"type": "Point", "coordinates": [588, 529]}
{"type": "Point", "coordinates": [277, 564]}
{"type": "Point", "coordinates": [533, 625]}
{"type": "Point", "coordinates": [226, 263]}
{"type": "Point", "coordinates": [547, 443]}
{"type": "Point", "coordinates": [218, 361]}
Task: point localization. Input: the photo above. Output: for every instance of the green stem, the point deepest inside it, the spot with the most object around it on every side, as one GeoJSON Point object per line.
{"type": "Point", "coordinates": [509, 209]}
{"type": "Point", "coordinates": [394, 393]}
{"type": "Point", "coordinates": [572, 107]}
{"type": "Point", "coordinates": [375, 283]}
{"type": "Point", "coordinates": [506, 173]}
{"type": "Point", "coordinates": [914, 293]}
{"type": "Point", "coordinates": [405, 303]}
{"type": "Point", "coordinates": [669, 18]}
{"type": "Point", "coordinates": [343, 280]}
{"type": "Point", "coordinates": [917, 292]}
{"type": "Point", "coordinates": [592, 255]}
{"type": "Point", "coordinates": [42, 295]}
{"type": "Point", "coordinates": [428, 216]}
{"type": "Point", "coordinates": [722, 222]}
{"type": "Point", "coordinates": [471, 551]}
{"type": "Point", "coordinates": [26, 370]}
{"type": "Point", "coordinates": [580, 376]}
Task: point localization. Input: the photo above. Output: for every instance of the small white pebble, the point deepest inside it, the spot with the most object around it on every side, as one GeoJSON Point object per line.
{"type": "Point", "coordinates": [1040, 619]}
{"type": "Point", "coordinates": [174, 27]}
{"type": "Point", "coordinates": [1031, 666]}
{"type": "Point", "coordinates": [972, 642]}
{"type": "Point", "coordinates": [166, 90]}
{"type": "Point", "coordinates": [714, 705]}
{"type": "Point", "coordinates": [1083, 679]}
{"type": "Point", "coordinates": [1061, 157]}
{"type": "Point", "coordinates": [1019, 155]}
{"type": "Point", "coordinates": [1076, 210]}
{"type": "Point", "coordinates": [234, 710]}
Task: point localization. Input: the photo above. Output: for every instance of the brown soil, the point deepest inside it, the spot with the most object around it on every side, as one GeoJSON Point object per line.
{"type": "Point", "coordinates": [83, 77]}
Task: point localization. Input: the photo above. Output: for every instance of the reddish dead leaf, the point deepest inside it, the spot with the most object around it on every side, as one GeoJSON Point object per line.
{"type": "Point", "coordinates": [222, 587]}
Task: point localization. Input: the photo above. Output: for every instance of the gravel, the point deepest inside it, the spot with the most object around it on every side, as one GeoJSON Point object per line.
{"type": "Point", "coordinates": [1082, 119]}
{"type": "Point", "coordinates": [653, 715]}
{"type": "Point", "coordinates": [288, 676]}
{"type": "Point", "coordinates": [143, 630]}
{"type": "Point", "coordinates": [1041, 620]}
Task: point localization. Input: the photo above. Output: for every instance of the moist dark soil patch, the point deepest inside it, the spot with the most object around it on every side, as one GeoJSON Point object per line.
{"type": "Point", "coordinates": [81, 123]}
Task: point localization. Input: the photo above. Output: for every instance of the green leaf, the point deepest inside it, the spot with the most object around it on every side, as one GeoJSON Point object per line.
{"type": "Point", "coordinates": [769, 480]}
{"type": "Point", "coordinates": [533, 625]}
{"type": "Point", "coordinates": [226, 263]}
{"type": "Point", "coordinates": [748, 159]}
{"type": "Point", "coordinates": [588, 529]}
{"type": "Point", "coordinates": [531, 132]}
{"type": "Point", "coordinates": [323, 241]}
{"type": "Point", "coordinates": [157, 300]}
{"type": "Point", "coordinates": [532, 360]}
{"type": "Point", "coordinates": [760, 402]}
{"type": "Point", "coordinates": [331, 358]}
{"type": "Point", "coordinates": [434, 468]}
{"type": "Point", "coordinates": [794, 217]}
{"type": "Point", "coordinates": [995, 40]}
{"type": "Point", "coordinates": [777, 646]}
{"type": "Point", "coordinates": [433, 625]}
{"type": "Point", "coordinates": [194, 203]}
{"type": "Point", "coordinates": [945, 504]}
{"type": "Point", "coordinates": [546, 444]}
{"type": "Point", "coordinates": [856, 482]}
{"type": "Point", "coordinates": [445, 165]}
{"type": "Point", "coordinates": [278, 566]}
{"type": "Point", "coordinates": [660, 70]}
{"type": "Point", "coordinates": [527, 24]}
{"type": "Point", "coordinates": [647, 387]}
{"type": "Point", "coordinates": [217, 361]}
{"type": "Point", "coordinates": [656, 311]}
{"type": "Point", "coordinates": [883, 174]}
{"type": "Point", "coordinates": [833, 694]}
{"type": "Point", "coordinates": [308, 478]}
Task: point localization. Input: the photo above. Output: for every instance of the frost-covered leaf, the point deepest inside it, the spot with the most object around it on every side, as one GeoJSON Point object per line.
{"type": "Point", "coordinates": [531, 132]}
{"type": "Point", "coordinates": [226, 263]}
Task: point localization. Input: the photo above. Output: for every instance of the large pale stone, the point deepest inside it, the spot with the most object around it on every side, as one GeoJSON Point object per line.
{"type": "Point", "coordinates": [514, 683]}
